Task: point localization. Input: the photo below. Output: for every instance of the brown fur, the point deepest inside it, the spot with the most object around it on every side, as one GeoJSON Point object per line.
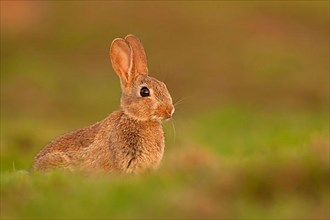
{"type": "Point", "coordinates": [130, 140]}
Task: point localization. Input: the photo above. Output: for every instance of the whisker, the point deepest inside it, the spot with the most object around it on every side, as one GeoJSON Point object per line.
{"type": "Point", "coordinates": [174, 131]}
{"type": "Point", "coordinates": [179, 101]}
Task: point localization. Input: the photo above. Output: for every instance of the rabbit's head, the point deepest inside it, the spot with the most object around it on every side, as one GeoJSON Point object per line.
{"type": "Point", "coordinates": [143, 97]}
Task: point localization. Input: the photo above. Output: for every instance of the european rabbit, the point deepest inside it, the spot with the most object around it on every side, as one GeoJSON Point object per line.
{"type": "Point", "coordinates": [129, 140]}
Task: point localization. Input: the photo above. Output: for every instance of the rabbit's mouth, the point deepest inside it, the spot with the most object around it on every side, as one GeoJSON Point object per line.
{"type": "Point", "coordinates": [164, 112]}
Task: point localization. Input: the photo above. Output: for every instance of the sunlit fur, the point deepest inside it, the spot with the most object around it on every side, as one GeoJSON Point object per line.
{"type": "Point", "coordinates": [129, 140]}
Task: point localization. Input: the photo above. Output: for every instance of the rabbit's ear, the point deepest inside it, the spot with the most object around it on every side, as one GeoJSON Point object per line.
{"type": "Point", "coordinates": [121, 57]}
{"type": "Point", "coordinates": [139, 55]}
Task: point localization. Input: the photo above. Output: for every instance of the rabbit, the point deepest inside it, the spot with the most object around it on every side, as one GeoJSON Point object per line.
{"type": "Point", "coordinates": [130, 140]}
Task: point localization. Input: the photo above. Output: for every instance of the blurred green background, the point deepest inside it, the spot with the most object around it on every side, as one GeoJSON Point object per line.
{"type": "Point", "coordinates": [250, 137]}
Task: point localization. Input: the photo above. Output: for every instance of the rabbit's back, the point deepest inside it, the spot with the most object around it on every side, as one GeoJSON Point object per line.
{"type": "Point", "coordinates": [64, 150]}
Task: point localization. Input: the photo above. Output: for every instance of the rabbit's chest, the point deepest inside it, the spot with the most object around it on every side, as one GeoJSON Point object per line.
{"type": "Point", "coordinates": [141, 147]}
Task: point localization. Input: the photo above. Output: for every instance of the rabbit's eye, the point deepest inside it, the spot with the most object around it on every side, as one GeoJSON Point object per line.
{"type": "Point", "coordinates": [144, 92]}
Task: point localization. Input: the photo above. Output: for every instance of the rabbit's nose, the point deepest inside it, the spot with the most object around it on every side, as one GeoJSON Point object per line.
{"type": "Point", "coordinates": [172, 112]}
{"type": "Point", "coordinates": [169, 112]}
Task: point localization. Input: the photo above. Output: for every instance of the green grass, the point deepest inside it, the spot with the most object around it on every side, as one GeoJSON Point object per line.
{"type": "Point", "coordinates": [292, 188]}
{"type": "Point", "coordinates": [237, 130]}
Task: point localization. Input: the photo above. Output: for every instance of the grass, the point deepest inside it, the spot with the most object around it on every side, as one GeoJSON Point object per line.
{"type": "Point", "coordinates": [288, 189]}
